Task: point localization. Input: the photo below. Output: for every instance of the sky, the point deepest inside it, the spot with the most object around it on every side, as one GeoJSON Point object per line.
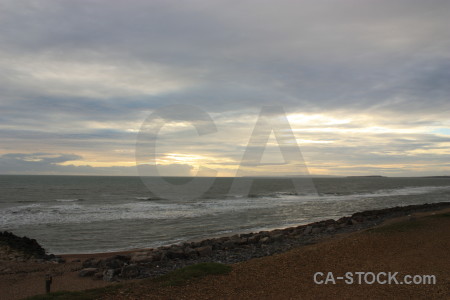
{"type": "Point", "coordinates": [363, 85]}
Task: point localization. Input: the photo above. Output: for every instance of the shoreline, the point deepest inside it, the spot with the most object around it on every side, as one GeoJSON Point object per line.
{"type": "Point", "coordinates": [151, 262]}
{"type": "Point", "coordinates": [77, 272]}
{"type": "Point", "coordinates": [424, 206]}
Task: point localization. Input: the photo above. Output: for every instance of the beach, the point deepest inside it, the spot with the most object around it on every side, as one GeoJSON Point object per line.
{"type": "Point", "coordinates": [419, 247]}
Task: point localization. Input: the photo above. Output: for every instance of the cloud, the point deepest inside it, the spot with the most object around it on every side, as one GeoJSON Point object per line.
{"type": "Point", "coordinates": [80, 77]}
{"type": "Point", "coordinates": [50, 164]}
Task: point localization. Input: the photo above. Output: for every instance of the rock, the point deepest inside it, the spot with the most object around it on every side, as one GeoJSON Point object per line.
{"type": "Point", "coordinates": [197, 244]}
{"type": "Point", "coordinates": [298, 230]}
{"type": "Point", "coordinates": [277, 237]}
{"type": "Point", "coordinates": [98, 275]}
{"type": "Point", "coordinates": [163, 255]}
{"type": "Point", "coordinates": [25, 247]}
{"type": "Point", "coordinates": [264, 240]}
{"type": "Point", "coordinates": [204, 251]}
{"type": "Point", "coordinates": [76, 260]}
{"type": "Point", "coordinates": [316, 230]}
{"type": "Point", "coordinates": [331, 222]}
{"type": "Point", "coordinates": [242, 241]}
{"type": "Point", "coordinates": [91, 263]}
{"type": "Point", "coordinates": [112, 263]}
{"type": "Point", "coordinates": [207, 242]}
{"type": "Point", "coordinates": [230, 244]}
{"type": "Point", "coordinates": [189, 252]}
{"type": "Point", "coordinates": [156, 255]}
{"type": "Point", "coordinates": [354, 222]}
{"type": "Point", "coordinates": [87, 272]}
{"type": "Point", "coordinates": [139, 259]}
{"type": "Point", "coordinates": [330, 228]}
{"type": "Point", "coordinates": [308, 230]}
{"type": "Point", "coordinates": [124, 258]}
{"type": "Point", "coordinates": [130, 271]}
{"type": "Point", "coordinates": [115, 262]}
{"type": "Point", "coordinates": [358, 219]}
{"type": "Point", "coordinates": [108, 275]}
{"type": "Point", "coordinates": [175, 252]}
{"type": "Point", "coordinates": [237, 240]}
{"type": "Point", "coordinates": [253, 239]}
{"type": "Point", "coordinates": [140, 253]}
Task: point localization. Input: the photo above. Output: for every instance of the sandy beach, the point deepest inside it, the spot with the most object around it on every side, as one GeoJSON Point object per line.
{"type": "Point", "coordinates": [415, 244]}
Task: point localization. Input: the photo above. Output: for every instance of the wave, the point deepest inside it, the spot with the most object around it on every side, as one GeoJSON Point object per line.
{"type": "Point", "coordinates": [69, 200]}
{"type": "Point", "coordinates": [148, 198]}
{"type": "Point", "coordinates": [73, 211]}
{"type": "Point", "coordinates": [404, 191]}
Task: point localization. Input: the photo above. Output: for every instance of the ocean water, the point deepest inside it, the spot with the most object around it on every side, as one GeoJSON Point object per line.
{"type": "Point", "coordinates": [88, 214]}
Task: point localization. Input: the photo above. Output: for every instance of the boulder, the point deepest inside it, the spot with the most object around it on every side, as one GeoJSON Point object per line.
{"type": "Point", "coordinates": [136, 259]}
{"type": "Point", "coordinates": [308, 230]}
{"type": "Point", "coordinates": [130, 271]}
{"type": "Point", "coordinates": [253, 239]}
{"type": "Point", "coordinates": [230, 244]}
{"type": "Point", "coordinates": [156, 255]}
{"type": "Point", "coordinates": [189, 252]}
{"type": "Point", "coordinates": [109, 275]}
{"type": "Point", "coordinates": [316, 230]}
{"type": "Point", "coordinates": [242, 241]}
{"type": "Point", "coordinates": [277, 237]}
{"type": "Point", "coordinates": [25, 247]}
{"type": "Point", "coordinates": [354, 222]}
{"type": "Point", "coordinates": [175, 252]}
{"type": "Point", "coordinates": [265, 240]}
{"type": "Point", "coordinates": [330, 228]}
{"type": "Point", "coordinates": [87, 272]}
{"type": "Point", "coordinates": [111, 263]}
{"type": "Point", "coordinates": [91, 263]}
{"type": "Point", "coordinates": [204, 251]}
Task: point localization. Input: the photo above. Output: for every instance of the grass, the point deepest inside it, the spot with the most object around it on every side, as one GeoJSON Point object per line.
{"type": "Point", "coordinates": [175, 278]}
{"type": "Point", "coordinates": [181, 276]}
{"type": "Point", "coordinates": [398, 227]}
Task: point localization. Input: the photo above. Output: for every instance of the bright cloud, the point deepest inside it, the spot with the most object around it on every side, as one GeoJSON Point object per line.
{"type": "Point", "coordinates": [364, 84]}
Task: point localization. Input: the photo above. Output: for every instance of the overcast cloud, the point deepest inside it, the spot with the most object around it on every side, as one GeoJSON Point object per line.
{"type": "Point", "coordinates": [364, 84]}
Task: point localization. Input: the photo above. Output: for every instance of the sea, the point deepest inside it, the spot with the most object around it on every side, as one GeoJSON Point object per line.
{"type": "Point", "coordinates": [90, 214]}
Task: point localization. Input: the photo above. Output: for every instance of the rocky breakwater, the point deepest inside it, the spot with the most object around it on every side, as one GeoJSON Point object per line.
{"type": "Point", "coordinates": [22, 249]}
{"type": "Point", "coordinates": [239, 247]}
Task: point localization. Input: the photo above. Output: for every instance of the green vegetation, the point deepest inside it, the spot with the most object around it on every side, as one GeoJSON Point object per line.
{"type": "Point", "coordinates": [177, 277]}
{"type": "Point", "coordinates": [398, 227]}
{"type": "Point", "coordinates": [181, 276]}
